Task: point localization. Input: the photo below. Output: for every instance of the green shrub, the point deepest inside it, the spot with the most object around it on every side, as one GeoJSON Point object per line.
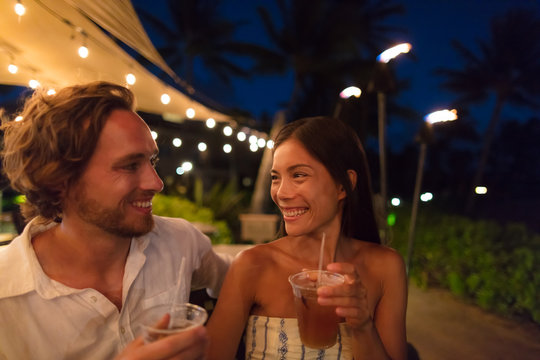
{"type": "Point", "coordinates": [496, 266]}
{"type": "Point", "coordinates": [175, 206]}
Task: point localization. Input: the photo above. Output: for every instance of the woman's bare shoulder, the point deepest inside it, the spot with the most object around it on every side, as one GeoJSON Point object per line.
{"type": "Point", "coordinates": [380, 257]}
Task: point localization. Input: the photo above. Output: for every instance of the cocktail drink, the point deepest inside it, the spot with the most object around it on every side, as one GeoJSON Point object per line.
{"type": "Point", "coordinates": [181, 318]}
{"type": "Point", "coordinates": [317, 324]}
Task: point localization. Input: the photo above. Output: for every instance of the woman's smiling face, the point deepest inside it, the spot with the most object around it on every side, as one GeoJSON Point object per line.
{"type": "Point", "coordinates": [304, 190]}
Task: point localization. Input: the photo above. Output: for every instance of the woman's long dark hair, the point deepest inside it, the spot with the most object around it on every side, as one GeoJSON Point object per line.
{"type": "Point", "coordinates": [338, 148]}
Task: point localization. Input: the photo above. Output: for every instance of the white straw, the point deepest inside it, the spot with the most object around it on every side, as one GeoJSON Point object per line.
{"type": "Point", "coordinates": [321, 253]}
{"type": "Point", "coordinates": [179, 287]}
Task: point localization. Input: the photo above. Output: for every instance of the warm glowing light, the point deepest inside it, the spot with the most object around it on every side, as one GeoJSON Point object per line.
{"type": "Point", "coordinates": [165, 99]}
{"type": "Point", "coordinates": [261, 142]}
{"type": "Point", "coordinates": [391, 53]}
{"type": "Point", "coordinates": [51, 92]}
{"type": "Point", "coordinates": [20, 9]}
{"type": "Point", "coordinates": [227, 148]}
{"type": "Point", "coordinates": [210, 123]}
{"type": "Point", "coordinates": [350, 91]}
{"type": "Point", "coordinates": [252, 139]}
{"type": "Point", "coordinates": [34, 84]}
{"type": "Point", "coordinates": [480, 190]}
{"type": "Point", "coordinates": [427, 196]}
{"type": "Point", "coordinates": [177, 142]}
{"type": "Point", "coordinates": [154, 134]}
{"type": "Point", "coordinates": [19, 118]}
{"type": "Point", "coordinates": [241, 136]}
{"type": "Point", "coordinates": [13, 68]}
{"type": "Point", "coordinates": [270, 144]}
{"type": "Point", "coordinates": [202, 146]}
{"type": "Point", "coordinates": [130, 79]}
{"type": "Point", "coordinates": [227, 130]}
{"type": "Point", "coordinates": [187, 166]}
{"type": "Point", "coordinates": [441, 115]}
{"type": "Point", "coordinates": [83, 52]}
{"type": "Point", "coordinates": [253, 147]}
{"type": "Point", "coordinates": [190, 113]}
{"type": "Point", "coordinates": [395, 201]}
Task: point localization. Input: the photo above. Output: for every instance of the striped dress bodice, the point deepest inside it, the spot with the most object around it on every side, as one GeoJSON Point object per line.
{"type": "Point", "coordinates": [270, 338]}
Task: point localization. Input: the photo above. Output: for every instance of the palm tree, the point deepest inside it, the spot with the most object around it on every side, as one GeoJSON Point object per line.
{"type": "Point", "coordinates": [320, 42]}
{"type": "Point", "coordinates": [198, 34]}
{"type": "Point", "coordinates": [507, 67]}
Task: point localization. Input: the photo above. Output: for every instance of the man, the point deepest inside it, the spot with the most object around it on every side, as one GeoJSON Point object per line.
{"type": "Point", "coordinates": [93, 256]}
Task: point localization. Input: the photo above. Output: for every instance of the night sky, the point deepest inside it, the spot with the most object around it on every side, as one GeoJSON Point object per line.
{"type": "Point", "coordinates": [430, 26]}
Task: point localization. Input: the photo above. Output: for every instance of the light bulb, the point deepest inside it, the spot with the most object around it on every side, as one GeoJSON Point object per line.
{"type": "Point", "coordinates": [34, 84]}
{"type": "Point", "coordinates": [130, 79]}
{"type": "Point", "coordinates": [83, 52]}
{"type": "Point", "coordinates": [210, 123]}
{"type": "Point", "coordinates": [20, 9]}
{"type": "Point", "coordinates": [190, 113]}
{"type": "Point", "coordinates": [13, 68]}
{"type": "Point", "coordinates": [165, 99]}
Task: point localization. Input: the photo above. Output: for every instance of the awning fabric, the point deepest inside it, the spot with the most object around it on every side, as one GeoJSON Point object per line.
{"type": "Point", "coordinates": [43, 44]}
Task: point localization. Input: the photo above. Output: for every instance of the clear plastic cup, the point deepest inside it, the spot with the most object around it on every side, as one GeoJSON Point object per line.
{"type": "Point", "coordinates": [318, 324]}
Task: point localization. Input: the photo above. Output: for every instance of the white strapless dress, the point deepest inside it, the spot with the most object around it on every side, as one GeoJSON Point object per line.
{"type": "Point", "coordinates": [269, 338]}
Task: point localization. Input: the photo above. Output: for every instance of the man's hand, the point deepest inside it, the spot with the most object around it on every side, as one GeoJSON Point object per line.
{"type": "Point", "coordinates": [186, 345]}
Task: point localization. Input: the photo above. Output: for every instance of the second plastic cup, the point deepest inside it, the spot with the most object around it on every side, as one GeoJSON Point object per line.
{"type": "Point", "coordinates": [318, 324]}
{"type": "Point", "coordinates": [182, 317]}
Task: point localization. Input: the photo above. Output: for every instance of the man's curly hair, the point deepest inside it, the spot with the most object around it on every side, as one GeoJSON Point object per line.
{"type": "Point", "coordinates": [47, 151]}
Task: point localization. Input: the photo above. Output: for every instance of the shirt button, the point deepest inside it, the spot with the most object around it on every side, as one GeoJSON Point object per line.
{"type": "Point", "coordinates": [94, 299]}
{"type": "Point", "coordinates": [122, 330]}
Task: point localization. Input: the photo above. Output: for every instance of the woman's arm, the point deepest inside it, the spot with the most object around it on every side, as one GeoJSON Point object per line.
{"type": "Point", "coordinates": [381, 335]}
{"type": "Point", "coordinates": [229, 318]}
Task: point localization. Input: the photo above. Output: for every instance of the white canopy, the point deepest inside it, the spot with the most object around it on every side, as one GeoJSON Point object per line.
{"type": "Point", "coordinates": [44, 42]}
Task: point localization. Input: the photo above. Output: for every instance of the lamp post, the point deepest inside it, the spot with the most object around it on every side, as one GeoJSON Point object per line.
{"type": "Point", "coordinates": [383, 59]}
{"type": "Point", "coordinates": [425, 136]}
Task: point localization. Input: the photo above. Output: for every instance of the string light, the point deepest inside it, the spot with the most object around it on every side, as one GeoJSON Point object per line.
{"type": "Point", "coordinates": [270, 144]}
{"type": "Point", "coordinates": [83, 52]}
{"type": "Point", "coordinates": [19, 8]}
{"type": "Point", "coordinates": [190, 113]}
{"type": "Point", "coordinates": [130, 79]}
{"type": "Point", "coordinates": [261, 142]}
{"type": "Point", "coordinates": [19, 118]}
{"type": "Point", "coordinates": [253, 147]}
{"type": "Point", "coordinates": [241, 136]}
{"type": "Point", "coordinates": [34, 84]}
{"type": "Point", "coordinates": [13, 68]}
{"type": "Point", "coordinates": [165, 99]}
{"type": "Point", "coordinates": [227, 130]}
{"type": "Point", "coordinates": [177, 142]}
{"type": "Point", "coordinates": [210, 123]}
{"type": "Point", "coordinates": [227, 148]}
{"type": "Point", "coordinates": [202, 146]}
{"type": "Point", "coordinates": [51, 92]}
{"type": "Point", "coordinates": [187, 166]}
{"type": "Point", "coordinates": [154, 134]}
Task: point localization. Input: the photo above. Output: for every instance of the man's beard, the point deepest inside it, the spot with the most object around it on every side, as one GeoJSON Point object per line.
{"type": "Point", "coordinates": [113, 220]}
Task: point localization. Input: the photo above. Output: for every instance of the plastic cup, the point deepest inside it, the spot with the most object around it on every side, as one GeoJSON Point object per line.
{"type": "Point", "coordinates": [318, 324]}
{"type": "Point", "coordinates": [183, 316]}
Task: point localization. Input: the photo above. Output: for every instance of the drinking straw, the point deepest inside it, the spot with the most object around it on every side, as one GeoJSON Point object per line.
{"type": "Point", "coordinates": [321, 253]}
{"type": "Point", "coordinates": [179, 287]}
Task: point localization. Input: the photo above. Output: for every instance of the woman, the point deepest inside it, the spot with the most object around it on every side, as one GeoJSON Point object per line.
{"type": "Point", "coordinates": [320, 183]}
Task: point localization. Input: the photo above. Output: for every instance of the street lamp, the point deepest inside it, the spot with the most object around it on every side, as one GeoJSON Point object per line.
{"type": "Point", "coordinates": [425, 136]}
{"type": "Point", "coordinates": [383, 59]}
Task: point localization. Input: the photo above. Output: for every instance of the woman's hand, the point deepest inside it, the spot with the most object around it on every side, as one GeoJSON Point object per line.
{"type": "Point", "coordinates": [350, 298]}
